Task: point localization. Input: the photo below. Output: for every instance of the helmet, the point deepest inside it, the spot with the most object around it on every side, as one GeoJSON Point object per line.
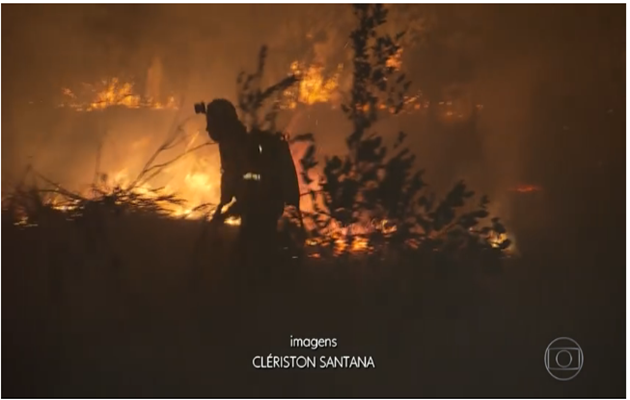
{"type": "Point", "coordinates": [221, 116]}
{"type": "Point", "coordinates": [221, 109]}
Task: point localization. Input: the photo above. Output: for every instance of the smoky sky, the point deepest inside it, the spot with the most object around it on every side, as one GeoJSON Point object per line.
{"type": "Point", "coordinates": [551, 78]}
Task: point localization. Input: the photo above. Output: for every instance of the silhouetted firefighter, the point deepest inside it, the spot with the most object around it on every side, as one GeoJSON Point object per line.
{"type": "Point", "coordinates": [257, 171]}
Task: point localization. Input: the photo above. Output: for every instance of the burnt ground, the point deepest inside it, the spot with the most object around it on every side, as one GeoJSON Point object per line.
{"type": "Point", "coordinates": [133, 317]}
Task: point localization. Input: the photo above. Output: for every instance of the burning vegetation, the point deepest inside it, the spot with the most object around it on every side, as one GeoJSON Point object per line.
{"type": "Point", "coordinates": [371, 183]}
{"type": "Point", "coordinates": [112, 93]}
{"type": "Point", "coordinates": [316, 85]}
{"type": "Point", "coordinates": [313, 86]}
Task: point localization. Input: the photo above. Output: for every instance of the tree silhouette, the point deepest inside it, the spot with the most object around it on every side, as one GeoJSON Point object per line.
{"type": "Point", "coordinates": [373, 182]}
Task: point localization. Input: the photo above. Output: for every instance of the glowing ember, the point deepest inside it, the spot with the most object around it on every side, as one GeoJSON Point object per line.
{"type": "Point", "coordinates": [526, 188]}
{"type": "Point", "coordinates": [353, 239]}
{"type": "Point", "coordinates": [360, 244]}
{"type": "Point", "coordinates": [234, 221]}
{"type": "Point", "coordinates": [496, 239]}
{"type": "Point", "coordinates": [395, 61]}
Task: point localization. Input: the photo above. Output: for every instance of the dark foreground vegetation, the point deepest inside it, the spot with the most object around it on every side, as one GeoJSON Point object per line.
{"type": "Point", "coordinates": [78, 323]}
{"type": "Point", "coordinates": [120, 301]}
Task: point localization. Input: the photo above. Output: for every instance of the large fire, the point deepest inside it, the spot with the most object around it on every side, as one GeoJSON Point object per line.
{"type": "Point", "coordinates": [195, 179]}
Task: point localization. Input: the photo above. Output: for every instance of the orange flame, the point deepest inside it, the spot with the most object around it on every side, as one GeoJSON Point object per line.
{"type": "Point", "coordinates": [196, 186]}
{"type": "Point", "coordinates": [395, 61]}
{"type": "Point", "coordinates": [112, 92]}
{"type": "Point", "coordinates": [313, 86]}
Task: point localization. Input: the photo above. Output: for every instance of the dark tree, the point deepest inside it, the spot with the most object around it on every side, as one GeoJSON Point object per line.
{"type": "Point", "coordinates": [373, 182]}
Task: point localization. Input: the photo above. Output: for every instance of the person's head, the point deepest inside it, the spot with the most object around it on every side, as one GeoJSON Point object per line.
{"type": "Point", "coordinates": [221, 118]}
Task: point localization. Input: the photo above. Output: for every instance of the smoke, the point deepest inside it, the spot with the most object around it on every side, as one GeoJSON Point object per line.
{"type": "Point", "coordinates": [514, 63]}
